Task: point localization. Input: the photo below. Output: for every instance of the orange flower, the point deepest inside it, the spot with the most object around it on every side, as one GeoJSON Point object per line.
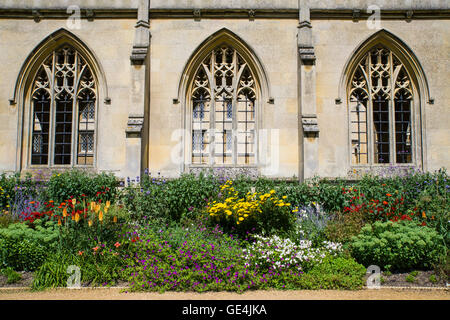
{"type": "Point", "coordinates": [73, 218]}
{"type": "Point", "coordinates": [424, 215]}
{"type": "Point", "coordinates": [77, 217]}
{"type": "Point", "coordinates": [385, 202]}
{"type": "Point", "coordinates": [64, 212]}
{"type": "Point", "coordinates": [100, 216]}
{"type": "Point", "coordinates": [389, 195]}
{"type": "Point", "coordinates": [92, 206]}
{"type": "Point", "coordinates": [108, 203]}
{"type": "Point", "coordinates": [117, 244]}
{"type": "Point", "coordinates": [90, 223]}
{"type": "Point", "coordinates": [80, 253]}
{"type": "Point", "coordinates": [74, 201]}
{"type": "Point", "coordinates": [115, 219]}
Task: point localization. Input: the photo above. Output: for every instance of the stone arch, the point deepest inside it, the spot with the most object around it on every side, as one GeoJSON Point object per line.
{"type": "Point", "coordinates": [400, 49]}
{"type": "Point", "coordinates": [43, 49]}
{"type": "Point", "coordinates": [418, 81]}
{"type": "Point", "coordinates": [224, 36]}
{"type": "Point", "coordinates": [28, 72]}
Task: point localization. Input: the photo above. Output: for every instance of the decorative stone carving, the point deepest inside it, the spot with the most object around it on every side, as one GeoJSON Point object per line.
{"type": "Point", "coordinates": [409, 14]}
{"type": "Point", "coordinates": [37, 16]}
{"type": "Point", "coordinates": [310, 125]}
{"type": "Point", "coordinates": [197, 15]}
{"type": "Point", "coordinates": [356, 15]}
{"type": "Point", "coordinates": [134, 125]}
{"type": "Point", "coordinates": [251, 15]}
{"type": "Point", "coordinates": [90, 15]}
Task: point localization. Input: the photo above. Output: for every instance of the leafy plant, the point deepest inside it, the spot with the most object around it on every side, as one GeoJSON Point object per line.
{"type": "Point", "coordinates": [21, 255]}
{"type": "Point", "coordinates": [258, 213]}
{"type": "Point", "coordinates": [11, 275]}
{"type": "Point", "coordinates": [404, 245]}
{"type": "Point", "coordinates": [76, 183]}
{"type": "Point", "coordinates": [334, 273]}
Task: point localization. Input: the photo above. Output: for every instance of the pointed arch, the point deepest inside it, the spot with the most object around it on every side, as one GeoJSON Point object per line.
{"type": "Point", "coordinates": [32, 79]}
{"type": "Point", "coordinates": [224, 37]}
{"type": "Point", "coordinates": [213, 106]}
{"type": "Point", "coordinates": [43, 49]}
{"type": "Point", "coordinates": [400, 49]}
{"type": "Point", "coordinates": [385, 90]}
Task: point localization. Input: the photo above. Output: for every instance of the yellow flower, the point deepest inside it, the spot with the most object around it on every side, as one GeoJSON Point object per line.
{"type": "Point", "coordinates": [108, 204]}
{"type": "Point", "coordinates": [90, 223]}
{"type": "Point", "coordinates": [115, 219]}
{"type": "Point", "coordinates": [100, 216]}
{"type": "Point", "coordinates": [97, 208]}
{"type": "Point", "coordinates": [241, 219]}
{"type": "Point", "coordinates": [92, 205]}
{"type": "Point", "coordinates": [64, 212]}
{"type": "Point", "coordinates": [105, 209]}
{"type": "Point", "coordinates": [77, 217]}
{"type": "Point", "coordinates": [74, 201]}
{"type": "Point", "coordinates": [228, 212]}
{"type": "Point", "coordinates": [272, 191]}
{"type": "Point", "coordinates": [59, 221]}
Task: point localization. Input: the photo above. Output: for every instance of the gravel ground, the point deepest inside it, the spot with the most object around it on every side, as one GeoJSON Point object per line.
{"type": "Point", "coordinates": [118, 294]}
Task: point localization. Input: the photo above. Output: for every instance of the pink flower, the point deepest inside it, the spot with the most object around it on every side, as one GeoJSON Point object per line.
{"type": "Point", "coordinates": [117, 244]}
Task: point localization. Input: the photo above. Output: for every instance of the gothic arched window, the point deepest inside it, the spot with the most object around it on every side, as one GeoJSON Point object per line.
{"type": "Point", "coordinates": [63, 110]}
{"type": "Point", "coordinates": [223, 110]}
{"type": "Point", "coordinates": [381, 119]}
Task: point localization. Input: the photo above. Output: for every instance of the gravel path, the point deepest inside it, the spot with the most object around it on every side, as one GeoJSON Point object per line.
{"type": "Point", "coordinates": [116, 294]}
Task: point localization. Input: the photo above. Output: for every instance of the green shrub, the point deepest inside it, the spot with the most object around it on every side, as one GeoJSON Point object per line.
{"type": "Point", "coordinates": [75, 183]}
{"type": "Point", "coordinates": [23, 255]}
{"type": "Point", "coordinates": [101, 265]}
{"type": "Point", "coordinates": [11, 275]}
{"type": "Point", "coordinates": [404, 245]}
{"type": "Point", "coordinates": [334, 273]}
{"type": "Point", "coordinates": [169, 201]}
{"type": "Point", "coordinates": [44, 232]}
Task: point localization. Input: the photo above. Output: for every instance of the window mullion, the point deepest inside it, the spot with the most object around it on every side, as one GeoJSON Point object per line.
{"type": "Point", "coordinates": [51, 151]}
{"type": "Point", "coordinates": [392, 137]}
{"type": "Point", "coordinates": [212, 113]}
{"type": "Point", "coordinates": [75, 122]}
{"type": "Point", "coordinates": [234, 125]}
{"type": "Point", "coordinates": [370, 125]}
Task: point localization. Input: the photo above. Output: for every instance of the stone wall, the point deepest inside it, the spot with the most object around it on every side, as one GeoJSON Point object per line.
{"type": "Point", "coordinates": [269, 29]}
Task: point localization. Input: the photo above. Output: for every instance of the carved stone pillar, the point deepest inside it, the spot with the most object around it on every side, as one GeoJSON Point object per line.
{"type": "Point", "coordinates": [137, 120]}
{"type": "Point", "coordinates": [307, 92]}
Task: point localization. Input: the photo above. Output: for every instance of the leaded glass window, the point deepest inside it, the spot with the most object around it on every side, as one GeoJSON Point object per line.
{"type": "Point", "coordinates": [223, 110]}
{"type": "Point", "coordinates": [63, 110]}
{"type": "Point", "coordinates": [380, 110]}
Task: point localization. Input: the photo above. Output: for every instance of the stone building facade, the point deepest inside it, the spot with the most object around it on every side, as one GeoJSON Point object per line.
{"type": "Point", "coordinates": [277, 88]}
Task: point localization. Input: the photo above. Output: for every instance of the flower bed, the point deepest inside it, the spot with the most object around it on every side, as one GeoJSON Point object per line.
{"type": "Point", "coordinates": [205, 233]}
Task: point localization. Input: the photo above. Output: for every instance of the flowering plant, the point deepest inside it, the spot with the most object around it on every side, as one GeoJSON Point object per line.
{"type": "Point", "coordinates": [275, 253]}
{"type": "Point", "coordinates": [256, 211]}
